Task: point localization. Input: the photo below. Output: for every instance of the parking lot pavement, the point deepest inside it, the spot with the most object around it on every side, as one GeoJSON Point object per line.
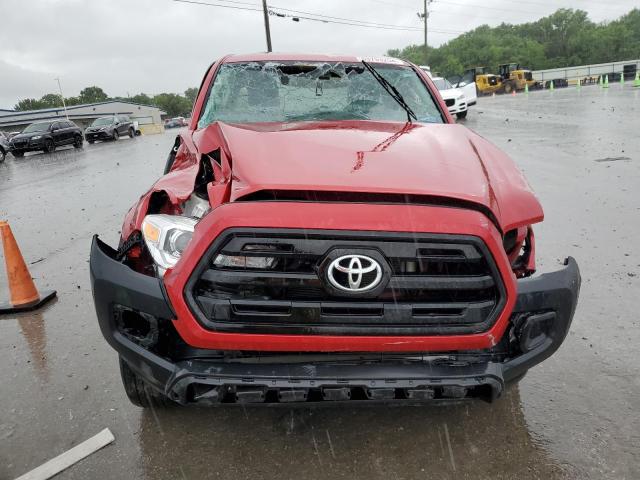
{"type": "Point", "coordinates": [574, 416]}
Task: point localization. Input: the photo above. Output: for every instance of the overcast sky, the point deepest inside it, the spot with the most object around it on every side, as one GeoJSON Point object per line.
{"type": "Point", "coordinates": [152, 46]}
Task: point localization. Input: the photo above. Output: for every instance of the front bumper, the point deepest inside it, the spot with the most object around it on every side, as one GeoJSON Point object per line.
{"type": "Point", "coordinates": [459, 107]}
{"type": "Point", "coordinates": [99, 135]}
{"type": "Point", "coordinates": [540, 321]}
{"type": "Point", "coordinates": [28, 146]}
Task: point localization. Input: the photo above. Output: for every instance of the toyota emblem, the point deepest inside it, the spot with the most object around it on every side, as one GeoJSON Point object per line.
{"type": "Point", "coordinates": [354, 273]}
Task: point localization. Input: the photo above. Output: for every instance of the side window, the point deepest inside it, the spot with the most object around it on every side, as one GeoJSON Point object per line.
{"type": "Point", "coordinates": [55, 126]}
{"type": "Point", "coordinates": [124, 119]}
{"type": "Point", "coordinates": [67, 124]}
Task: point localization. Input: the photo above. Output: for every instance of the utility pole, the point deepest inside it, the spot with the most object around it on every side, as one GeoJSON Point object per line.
{"type": "Point", "coordinates": [266, 24]}
{"type": "Point", "coordinates": [61, 95]}
{"type": "Point", "coordinates": [425, 16]}
{"type": "Point", "coordinates": [426, 23]}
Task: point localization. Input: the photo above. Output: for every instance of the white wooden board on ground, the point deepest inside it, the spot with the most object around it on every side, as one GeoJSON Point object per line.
{"type": "Point", "coordinates": [68, 458]}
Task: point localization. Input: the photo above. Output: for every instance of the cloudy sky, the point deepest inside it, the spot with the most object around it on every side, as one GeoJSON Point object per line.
{"type": "Point", "coordinates": [132, 46]}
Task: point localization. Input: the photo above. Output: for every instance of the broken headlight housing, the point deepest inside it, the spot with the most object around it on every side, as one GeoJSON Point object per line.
{"type": "Point", "coordinates": [166, 237]}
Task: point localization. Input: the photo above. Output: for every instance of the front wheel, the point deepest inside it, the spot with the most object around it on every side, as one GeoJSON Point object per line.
{"type": "Point", "coordinates": [132, 133]}
{"type": "Point", "coordinates": [90, 141]}
{"type": "Point", "coordinates": [116, 135]}
{"type": "Point", "coordinates": [49, 146]}
{"type": "Point", "coordinates": [139, 392]}
{"type": "Point", "coordinates": [3, 155]}
{"type": "Point", "coordinates": [77, 141]}
{"type": "Point", "coordinates": [462, 115]}
{"type": "Point", "coordinates": [18, 153]}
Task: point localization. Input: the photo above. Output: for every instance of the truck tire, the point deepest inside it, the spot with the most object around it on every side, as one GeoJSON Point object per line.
{"type": "Point", "coordinates": [3, 155]}
{"type": "Point", "coordinates": [139, 392]}
{"type": "Point", "coordinates": [18, 153]}
{"type": "Point", "coordinates": [132, 133]}
{"type": "Point", "coordinates": [508, 87]}
{"type": "Point", "coordinates": [462, 115]}
{"type": "Point", "coordinates": [116, 135]}
{"type": "Point", "coordinates": [77, 141]}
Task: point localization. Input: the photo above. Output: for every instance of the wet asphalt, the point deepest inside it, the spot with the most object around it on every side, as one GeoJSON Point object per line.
{"type": "Point", "coordinates": [575, 416]}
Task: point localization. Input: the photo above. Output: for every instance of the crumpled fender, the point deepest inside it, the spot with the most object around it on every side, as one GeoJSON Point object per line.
{"type": "Point", "coordinates": [178, 186]}
{"type": "Point", "coordinates": [179, 183]}
{"type": "Point", "coordinates": [514, 202]}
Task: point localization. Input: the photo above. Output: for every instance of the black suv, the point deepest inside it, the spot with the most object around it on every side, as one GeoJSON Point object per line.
{"type": "Point", "coordinates": [110, 128]}
{"type": "Point", "coordinates": [46, 136]}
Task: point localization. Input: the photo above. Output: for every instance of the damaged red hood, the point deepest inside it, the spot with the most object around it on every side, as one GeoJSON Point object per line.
{"type": "Point", "coordinates": [438, 160]}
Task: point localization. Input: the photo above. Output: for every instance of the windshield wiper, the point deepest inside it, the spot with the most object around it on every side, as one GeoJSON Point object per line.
{"type": "Point", "coordinates": [391, 90]}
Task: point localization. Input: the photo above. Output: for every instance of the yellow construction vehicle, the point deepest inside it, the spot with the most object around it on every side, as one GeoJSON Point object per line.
{"type": "Point", "coordinates": [486, 83]}
{"type": "Point", "coordinates": [515, 78]}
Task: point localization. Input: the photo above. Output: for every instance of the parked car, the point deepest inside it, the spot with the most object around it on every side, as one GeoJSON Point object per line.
{"type": "Point", "coordinates": [454, 98]}
{"type": "Point", "coordinates": [176, 122]}
{"type": "Point", "coordinates": [4, 146]}
{"type": "Point", "coordinates": [110, 127]}
{"type": "Point", "coordinates": [465, 82]}
{"type": "Point", "coordinates": [46, 136]}
{"type": "Point", "coordinates": [359, 246]}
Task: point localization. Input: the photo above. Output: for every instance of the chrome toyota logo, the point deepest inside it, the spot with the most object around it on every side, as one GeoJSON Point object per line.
{"type": "Point", "coordinates": [354, 273]}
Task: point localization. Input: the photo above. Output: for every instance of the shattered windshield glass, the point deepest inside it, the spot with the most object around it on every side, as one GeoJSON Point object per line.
{"type": "Point", "coordinates": [291, 92]}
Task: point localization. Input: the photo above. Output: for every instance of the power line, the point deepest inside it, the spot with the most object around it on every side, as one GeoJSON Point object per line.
{"type": "Point", "coordinates": [237, 5]}
{"type": "Point", "coordinates": [195, 2]}
{"type": "Point", "coordinates": [352, 20]}
{"type": "Point", "coordinates": [356, 23]}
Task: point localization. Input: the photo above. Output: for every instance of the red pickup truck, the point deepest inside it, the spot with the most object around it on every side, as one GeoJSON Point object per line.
{"type": "Point", "coordinates": [324, 231]}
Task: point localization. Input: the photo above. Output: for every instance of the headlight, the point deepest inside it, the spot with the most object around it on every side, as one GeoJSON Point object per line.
{"type": "Point", "coordinates": [37, 137]}
{"type": "Point", "coordinates": [166, 237]}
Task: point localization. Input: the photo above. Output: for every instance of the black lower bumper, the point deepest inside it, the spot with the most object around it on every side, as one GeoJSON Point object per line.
{"type": "Point", "coordinates": [98, 136]}
{"type": "Point", "coordinates": [540, 322]}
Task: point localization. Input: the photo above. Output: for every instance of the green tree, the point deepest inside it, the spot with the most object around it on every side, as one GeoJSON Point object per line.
{"type": "Point", "coordinates": [191, 94]}
{"type": "Point", "coordinates": [27, 104]}
{"type": "Point", "coordinates": [51, 100]}
{"type": "Point", "coordinates": [173, 104]}
{"type": "Point", "coordinates": [92, 95]}
{"type": "Point", "coordinates": [142, 98]}
{"type": "Point", "coordinates": [564, 38]}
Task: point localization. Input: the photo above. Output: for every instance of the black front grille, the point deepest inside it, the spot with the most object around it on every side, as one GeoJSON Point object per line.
{"type": "Point", "coordinates": [450, 102]}
{"type": "Point", "coordinates": [433, 285]}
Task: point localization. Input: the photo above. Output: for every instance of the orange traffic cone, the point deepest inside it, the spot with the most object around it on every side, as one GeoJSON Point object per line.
{"type": "Point", "coordinates": [23, 292]}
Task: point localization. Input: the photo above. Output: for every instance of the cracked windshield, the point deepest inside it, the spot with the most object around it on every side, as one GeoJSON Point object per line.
{"type": "Point", "coordinates": [271, 92]}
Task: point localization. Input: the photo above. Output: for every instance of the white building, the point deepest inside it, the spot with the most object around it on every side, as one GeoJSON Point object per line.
{"type": "Point", "coordinates": [148, 117]}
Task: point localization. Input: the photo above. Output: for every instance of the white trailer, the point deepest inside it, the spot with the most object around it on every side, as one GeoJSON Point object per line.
{"type": "Point", "coordinates": [588, 73]}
